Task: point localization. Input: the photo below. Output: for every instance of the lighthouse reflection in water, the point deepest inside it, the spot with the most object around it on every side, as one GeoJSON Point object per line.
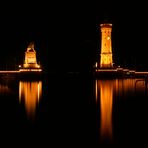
{"type": "Point", "coordinates": [106, 101]}
{"type": "Point", "coordinates": [29, 94]}
{"type": "Point", "coordinates": [110, 94]}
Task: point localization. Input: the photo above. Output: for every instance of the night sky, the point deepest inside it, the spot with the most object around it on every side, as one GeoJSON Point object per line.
{"type": "Point", "coordinates": [67, 34]}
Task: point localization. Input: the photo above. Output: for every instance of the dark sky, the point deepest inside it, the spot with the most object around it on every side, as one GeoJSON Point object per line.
{"type": "Point", "coordinates": [67, 34]}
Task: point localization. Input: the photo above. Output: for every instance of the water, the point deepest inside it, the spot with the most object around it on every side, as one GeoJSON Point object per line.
{"type": "Point", "coordinates": [73, 111]}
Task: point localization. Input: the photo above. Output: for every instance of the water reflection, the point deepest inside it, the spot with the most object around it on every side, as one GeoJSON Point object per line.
{"type": "Point", "coordinates": [7, 86]}
{"type": "Point", "coordinates": [4, 89]}
{"type": "Point", "coordinates": [106, 99]}
{"type": "Point", "coordinates": [106, 91]}
{"type": "Point", "coordinates": [30, 94]}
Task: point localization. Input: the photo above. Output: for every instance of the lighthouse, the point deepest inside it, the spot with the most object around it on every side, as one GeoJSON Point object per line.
{"type": "Point", "coordinates": [106, 60]}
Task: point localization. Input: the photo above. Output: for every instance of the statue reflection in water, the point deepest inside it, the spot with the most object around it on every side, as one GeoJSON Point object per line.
{"type": "Point", "coordinates": [30, 94]}
{"type": "Point", "coordinates": [104, 88]}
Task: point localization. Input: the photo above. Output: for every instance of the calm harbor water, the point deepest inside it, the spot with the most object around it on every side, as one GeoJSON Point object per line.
{"type": "Point", "coordinates": [73, 110]}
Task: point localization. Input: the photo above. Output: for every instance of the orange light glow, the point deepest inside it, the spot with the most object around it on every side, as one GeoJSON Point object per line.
{"type": "Point", "coordinates": [105, 87]}
{"type": "Point", "coordinates": [30, 93]}
{"type": "Point", "coordinates": [105, 90]}
{"type": "Point", "coordinates": [106, 60]}
{"type": "Point", "coordinates": [106, 99]}
{"type": "Point", "coordinates": [30, 54]}
{"type": "Point", "coordinates": [38, 66]}
{"type": "Point", "coordinates": [30, 58]}
{"type": "Point", "coordinates": [96, 87]}
{"type": "Point", "coordinates": [37, 70]}
{"type": "Point", "coordinates": [9, 71]}
{"type": "Point", "coordinates": [96, 65]}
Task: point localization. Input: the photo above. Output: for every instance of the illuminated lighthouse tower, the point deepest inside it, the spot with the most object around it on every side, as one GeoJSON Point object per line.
{"type": "Point", "coordinates": [106, 60]}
